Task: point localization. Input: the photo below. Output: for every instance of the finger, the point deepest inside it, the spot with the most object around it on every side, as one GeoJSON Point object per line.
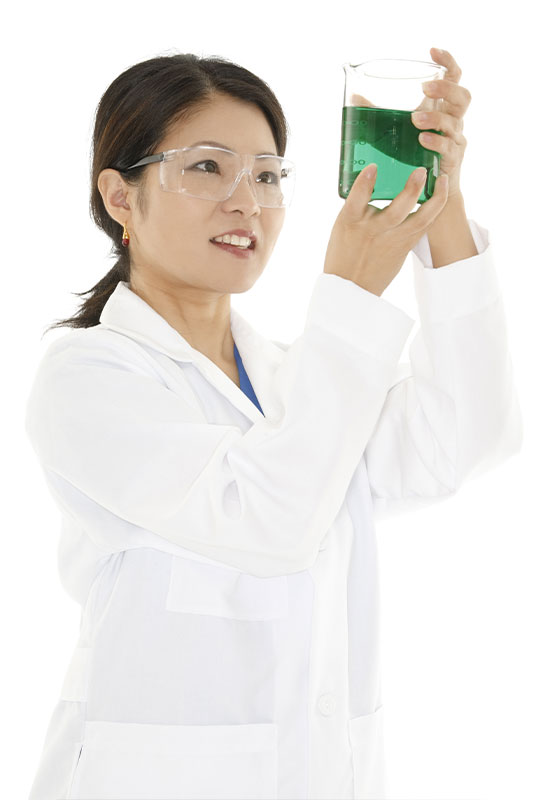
{"type": "Point", "coordinates": [457, 97]}
{"type": "Point", "coordinates": [360, 100]}
{"type": "Point", "coordinates": [443, 57]}
{"type": "Point", "coordinates": [360, 193]}
{"type": "Point", "coordinates": [448, 148]}
{"type": "Point", "coordinates": [400, 207]}
{"type": "Point", "coordinates": [417, 222]}
{"type": "Point", "coordinates": [438, 121]}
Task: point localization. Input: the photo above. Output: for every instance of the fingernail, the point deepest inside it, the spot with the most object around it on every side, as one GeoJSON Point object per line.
{"type": "Point", "coordinates": [370, 170]}
{"type": "Point", "coordinates": [420, 174]}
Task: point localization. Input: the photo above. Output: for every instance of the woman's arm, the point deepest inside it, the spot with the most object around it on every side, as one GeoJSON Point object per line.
{"type": "Point", "coordinates": [450, 238]}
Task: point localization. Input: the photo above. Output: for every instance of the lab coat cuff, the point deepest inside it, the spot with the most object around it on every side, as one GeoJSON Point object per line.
{"type": "Point", "coordinates": [361, 318]}
{"type": "Point", "coordinates": [456, 289]}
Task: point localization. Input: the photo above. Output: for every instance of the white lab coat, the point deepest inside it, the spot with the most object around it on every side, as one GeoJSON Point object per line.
{"type": "Point", "coordinates": [226, 560]}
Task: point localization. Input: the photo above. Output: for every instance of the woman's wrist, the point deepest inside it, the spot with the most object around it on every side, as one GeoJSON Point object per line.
{"type": "Point", "coordinates": [450, 238]}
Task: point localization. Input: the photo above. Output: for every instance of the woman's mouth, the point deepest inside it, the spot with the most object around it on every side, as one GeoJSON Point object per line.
{"type": "Point", "coordinates": [236, 250]}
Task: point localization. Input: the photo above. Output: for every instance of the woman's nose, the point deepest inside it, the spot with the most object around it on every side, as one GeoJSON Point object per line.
{"type": "Point", "coordinates": [244, 192]}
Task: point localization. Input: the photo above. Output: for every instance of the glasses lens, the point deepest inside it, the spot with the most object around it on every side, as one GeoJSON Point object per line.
{"type": "Point", "coordinates": [210, 173]}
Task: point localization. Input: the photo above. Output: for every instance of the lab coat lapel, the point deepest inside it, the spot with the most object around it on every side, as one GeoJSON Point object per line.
{"type": "Point", "coordinates": [127, 313]}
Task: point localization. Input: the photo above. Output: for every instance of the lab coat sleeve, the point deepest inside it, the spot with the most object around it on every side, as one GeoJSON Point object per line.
{"type": "Point", "coordinates": [453, 412]}
{"type": "Point", "coordinates": [128, 459]}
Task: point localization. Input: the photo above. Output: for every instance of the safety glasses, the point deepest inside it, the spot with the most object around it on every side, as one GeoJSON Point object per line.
{"type": "Point", "coordinates": [213, 173]}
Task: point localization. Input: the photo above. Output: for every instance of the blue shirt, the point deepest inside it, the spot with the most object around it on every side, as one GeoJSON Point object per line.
{"type": "Point", "coordinates": [245, 383]}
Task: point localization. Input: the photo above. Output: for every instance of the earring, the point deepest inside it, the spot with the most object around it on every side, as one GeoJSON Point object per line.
{"type": "Point", "coordinates": [125, 237]}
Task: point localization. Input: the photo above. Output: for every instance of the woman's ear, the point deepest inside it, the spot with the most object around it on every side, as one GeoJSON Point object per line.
{"type": "Point", "coordinates": [114, 191]}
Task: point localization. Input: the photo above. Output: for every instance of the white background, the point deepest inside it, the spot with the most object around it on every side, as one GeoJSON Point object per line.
{"type": "Point", "coordinates": [459, 581]}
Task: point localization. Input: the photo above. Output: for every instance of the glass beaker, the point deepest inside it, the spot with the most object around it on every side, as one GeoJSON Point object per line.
{"type": "Point", "coordinates": [376, 124]}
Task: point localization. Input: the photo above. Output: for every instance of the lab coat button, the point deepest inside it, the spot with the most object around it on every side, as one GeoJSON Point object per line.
{"type": "Point", "coordinates": [327, 704]}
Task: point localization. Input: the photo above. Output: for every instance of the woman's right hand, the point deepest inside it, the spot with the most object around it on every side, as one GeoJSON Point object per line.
{"type": "Point", "coordinates": [369, 245]}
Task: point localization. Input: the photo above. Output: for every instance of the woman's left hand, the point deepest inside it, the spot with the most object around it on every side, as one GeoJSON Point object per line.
{"type": "Point", "coordinates": [456, 99]}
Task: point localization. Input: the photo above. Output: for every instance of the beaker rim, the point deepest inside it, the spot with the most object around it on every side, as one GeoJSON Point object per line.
{"type": "Point", "coordinates": [408, 61]}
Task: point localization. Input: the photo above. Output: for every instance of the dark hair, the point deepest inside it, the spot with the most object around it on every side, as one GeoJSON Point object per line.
{"type": "Point", "coordinates": [134, 115]}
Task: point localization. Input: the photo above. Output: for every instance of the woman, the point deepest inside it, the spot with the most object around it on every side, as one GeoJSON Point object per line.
{"type": "Point", "coordinates": [218, 489]}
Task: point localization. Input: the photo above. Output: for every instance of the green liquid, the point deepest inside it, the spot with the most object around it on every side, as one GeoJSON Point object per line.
{"type": "Point", "coordinates": [389, 138]}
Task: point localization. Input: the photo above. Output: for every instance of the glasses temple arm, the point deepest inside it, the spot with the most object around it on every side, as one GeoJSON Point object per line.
{"type": "Point", "coordinates": [147, 160]}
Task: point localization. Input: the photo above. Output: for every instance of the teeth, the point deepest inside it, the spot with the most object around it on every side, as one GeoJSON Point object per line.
{"type": "Point", "coordinates": [239, 241]}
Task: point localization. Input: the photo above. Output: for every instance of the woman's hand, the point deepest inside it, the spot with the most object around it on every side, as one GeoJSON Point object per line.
{"type": "Point", "coordinates": [456, 99]}
{"type": "Point", "coordinates": [368, 245]}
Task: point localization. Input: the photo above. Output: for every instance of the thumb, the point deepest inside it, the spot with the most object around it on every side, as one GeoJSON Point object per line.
{"type": "Point", "coordinates": [361, 190]}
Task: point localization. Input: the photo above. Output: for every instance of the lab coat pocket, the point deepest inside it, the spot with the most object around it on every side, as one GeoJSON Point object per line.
{"type": "Point", "coordinates": [201, 588]}
{"type": "Point", "coordinates": [366, 738]}
{"type": "Point", "coordinates": [134, 761]}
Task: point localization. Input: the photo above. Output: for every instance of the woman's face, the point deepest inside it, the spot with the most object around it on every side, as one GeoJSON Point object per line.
{"type": "Point", "coordinates": [170, 242]}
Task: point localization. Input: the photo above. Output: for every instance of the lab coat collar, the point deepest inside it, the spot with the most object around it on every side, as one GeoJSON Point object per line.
{"type": "Point", "coordinates": [127, 313]}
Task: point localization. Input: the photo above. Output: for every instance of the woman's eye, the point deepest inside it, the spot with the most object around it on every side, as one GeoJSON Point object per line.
{"type": "Point", "coordinates": [272, 175]}
{"type": "Point", "coordinates": [204, 162]}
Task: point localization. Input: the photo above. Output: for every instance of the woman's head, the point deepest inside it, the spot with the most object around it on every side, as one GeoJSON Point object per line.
{"type": "Point", "coordinates": [165, 103]}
